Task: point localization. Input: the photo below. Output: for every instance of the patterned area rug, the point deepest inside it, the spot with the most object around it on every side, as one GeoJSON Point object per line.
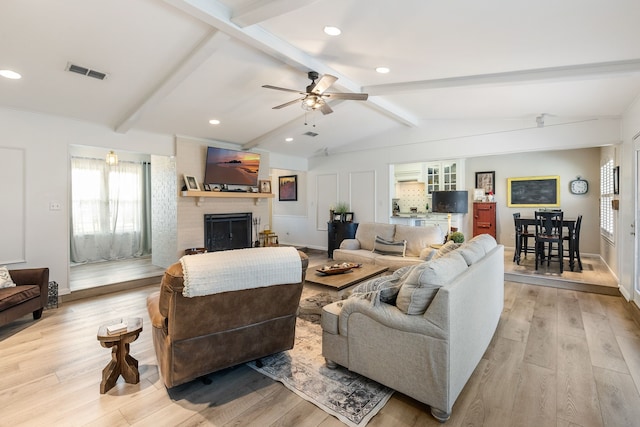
{"type": "Point", "coordinates": [350, 397]}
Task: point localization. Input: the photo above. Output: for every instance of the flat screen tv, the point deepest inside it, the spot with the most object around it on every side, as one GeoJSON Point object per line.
{"type": "Point", "coordinates": [231, 167]}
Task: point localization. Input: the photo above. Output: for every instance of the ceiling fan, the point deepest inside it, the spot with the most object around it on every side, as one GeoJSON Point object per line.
{"type": "Point", "coordinates": [315, 96]}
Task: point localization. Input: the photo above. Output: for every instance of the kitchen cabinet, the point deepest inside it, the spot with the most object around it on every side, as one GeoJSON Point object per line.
{"type": "Point", "coordinates": [441, 176]}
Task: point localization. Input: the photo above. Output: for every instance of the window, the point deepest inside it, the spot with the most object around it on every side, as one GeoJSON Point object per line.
{"type": "Point", "coordinates": [606, 196]}
{"type": "Point", "coordinates": [109, 212]}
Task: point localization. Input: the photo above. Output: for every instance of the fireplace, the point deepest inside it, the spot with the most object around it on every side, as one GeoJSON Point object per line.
{"type": "Point", "coordinates": [227, 231]}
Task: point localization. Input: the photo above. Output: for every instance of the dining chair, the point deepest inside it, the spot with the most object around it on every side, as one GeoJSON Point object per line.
{"type": "Point", "coordinates": [549, 234]}
{"type": "Point", "coordinates": [574, 241]}
{"type": "Point", "coordinates": [522, 239]}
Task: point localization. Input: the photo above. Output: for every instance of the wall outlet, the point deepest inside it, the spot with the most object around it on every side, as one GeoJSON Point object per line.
{"type": "Point", "coordinates": [55, 206]}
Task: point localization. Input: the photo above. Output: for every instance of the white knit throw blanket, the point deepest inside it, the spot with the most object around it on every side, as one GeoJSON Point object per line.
{"type": "Point", "coordinates": [238, 269]}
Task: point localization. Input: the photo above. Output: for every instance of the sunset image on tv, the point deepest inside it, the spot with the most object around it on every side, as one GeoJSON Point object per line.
{"type": "Point", "coordinates": [231, 167]}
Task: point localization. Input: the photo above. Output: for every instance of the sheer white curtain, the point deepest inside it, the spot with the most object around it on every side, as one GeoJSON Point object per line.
{"type": "Point", "coordinates": [108, 215]}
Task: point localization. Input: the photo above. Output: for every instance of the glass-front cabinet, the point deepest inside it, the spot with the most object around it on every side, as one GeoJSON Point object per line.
{"type": "Point", "coordinates": [441, 176]}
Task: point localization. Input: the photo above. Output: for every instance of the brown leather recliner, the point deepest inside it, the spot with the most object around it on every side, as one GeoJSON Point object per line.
{"type": "Point", "coordinates": [200, 335]}
{"type": "Point", "coordinates": [28, 296]}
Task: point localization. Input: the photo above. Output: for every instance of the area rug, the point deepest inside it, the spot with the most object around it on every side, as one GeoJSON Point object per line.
{"type": "Point", "coordinates": [350, 397]}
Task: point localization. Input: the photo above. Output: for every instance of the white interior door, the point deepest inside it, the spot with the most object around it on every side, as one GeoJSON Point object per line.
{"type": "Point", "coordinates": [632, 231]}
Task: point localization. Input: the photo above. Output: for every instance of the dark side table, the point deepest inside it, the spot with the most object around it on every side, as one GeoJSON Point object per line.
{"type": "Point", "coordinates": [121, 361]}
{"type": "Point", "coordinates": [338, 231]}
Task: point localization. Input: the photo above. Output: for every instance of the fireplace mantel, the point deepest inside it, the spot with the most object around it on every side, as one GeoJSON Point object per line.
{"type": "Point", "coordinates": [201, 195]}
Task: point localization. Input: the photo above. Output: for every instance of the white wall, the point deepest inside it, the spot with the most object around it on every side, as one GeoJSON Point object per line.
{"type": "Point", "coordinates": [567, 164]}
{"type": "Point", "coordinates": [470, 143]}
{"type": "Point", "coordinates": [46, 140]}
{"type": "Point", "coordinates": [626, 215]}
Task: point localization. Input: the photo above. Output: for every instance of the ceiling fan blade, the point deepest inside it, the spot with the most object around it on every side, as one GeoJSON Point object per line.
{"type": "Point", "coordinates": [325, 109]}
{"type": "Point", "coordinates": [286, 104]}
{"type": "Point", "coordinates": [324, 83]}
{"type": "Point", "coordinates": [353, 96]}
{"type": "Point", "coordinates": [283, 89]}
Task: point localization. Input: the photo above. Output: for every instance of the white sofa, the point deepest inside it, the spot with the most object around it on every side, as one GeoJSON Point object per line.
{"type": "Point", "coordinates": [454, 304]}
{"type": "Point", "coordinates": [361, 249]}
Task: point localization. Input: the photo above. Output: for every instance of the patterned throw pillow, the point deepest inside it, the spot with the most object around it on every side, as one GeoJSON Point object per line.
{"type": "Point", "coordinates": [386, 247]}
{"type": "Point", "coordinates": [5, 278]}
{"type": "Point", "coordinates": [446, 248]}
{"type": "Point", "coordinates": [383, 289]}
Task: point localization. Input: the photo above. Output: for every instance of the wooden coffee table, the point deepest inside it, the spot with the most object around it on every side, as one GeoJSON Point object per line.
{"type": "Point", "coordinates": [342, 281]}
{"type": "Point", "coordinates": [121, 361]}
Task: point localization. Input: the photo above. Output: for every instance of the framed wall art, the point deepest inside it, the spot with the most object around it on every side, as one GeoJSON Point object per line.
{"type": "Point", "coordinates": [486, 181]}
{"type": "Point", "coordinates": [288, 188]}
{"type": "Point", "coordinates": [533, 192]}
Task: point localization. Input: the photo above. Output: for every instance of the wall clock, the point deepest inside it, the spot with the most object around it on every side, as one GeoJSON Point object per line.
{"type": "Point", "coordinates": [579, 186]}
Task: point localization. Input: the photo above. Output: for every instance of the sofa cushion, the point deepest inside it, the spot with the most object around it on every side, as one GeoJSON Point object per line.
{"type": "Point", "coordinates": [446, 248]}
{"type": "Point", "coordinates": [472, 252]}
{"type": "Point", "coordinates": [10, 297]}
{"type": "Point", "coordinates": [486, 240]}
{"type": "Point", "coordinates": [424, 280]}
{"type": "Point", "coordinates": [388, 247]}
{"type": "Point", "coordinates": [367, 232]}
{"type": "Point", "coordinates": [5, 278]}
{"type": "Point", "coordinates": [418, 238]}
{"type": "Point", "coordinates": [427, 253]}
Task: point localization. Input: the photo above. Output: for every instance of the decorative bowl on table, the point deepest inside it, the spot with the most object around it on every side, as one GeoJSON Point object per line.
{"type": "Point", "coordinates": [337, 268]}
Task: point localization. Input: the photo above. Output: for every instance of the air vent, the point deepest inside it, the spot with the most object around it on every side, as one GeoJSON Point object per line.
{"type": "Point", "coordinates": [311, 134]}
{"type": "Point", "coordinates": [86, 71]}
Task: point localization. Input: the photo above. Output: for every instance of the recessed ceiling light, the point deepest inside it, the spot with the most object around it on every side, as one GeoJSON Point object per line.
{"type": "Point", "coordinates": [214, 121]}
{"type": "Point", "coordinates": [383, 70]}
{"type": "Point", "coordinates": [10, 74]}
{"type": "Point", "coordinates": [288, 139]}
{"type": "Point", "coordinates": [332, 31]}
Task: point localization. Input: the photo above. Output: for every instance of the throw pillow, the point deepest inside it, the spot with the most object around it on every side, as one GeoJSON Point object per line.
{"type": "Point", "coordinates": [387, 247]}
{"type": "Point", "coordinates": [384, 289]}
{"type": "Point", "coordinates": [446, 248]}
{"type": "Point", "coordinates": [5, 278]}
{"type": "Point", "coordinates": [424, 281]}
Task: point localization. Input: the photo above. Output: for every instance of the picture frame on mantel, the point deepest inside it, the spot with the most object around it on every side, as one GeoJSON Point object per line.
{"type": "Point", "coordinates": [288, 188]}
{"type": "Point", "coordinates": [191, 182]}
{"type": "Point", "coordinates": [265, 186]}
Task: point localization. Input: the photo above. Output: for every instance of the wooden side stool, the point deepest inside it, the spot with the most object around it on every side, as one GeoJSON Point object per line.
{"type": "Point", "coordinates": [122, 363]}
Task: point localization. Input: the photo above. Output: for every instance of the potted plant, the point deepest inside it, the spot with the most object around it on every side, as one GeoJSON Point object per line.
{"type": "Point", "coordinates": [341, 208]}
{"type": "Point", "coordinates": [456, 236]}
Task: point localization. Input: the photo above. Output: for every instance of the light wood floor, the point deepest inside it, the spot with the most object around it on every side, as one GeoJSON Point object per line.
{"type": "Point", "coordinates": [559, 358]}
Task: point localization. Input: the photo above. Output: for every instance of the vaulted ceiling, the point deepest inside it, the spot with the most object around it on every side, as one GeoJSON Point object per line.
{"type": "Point", "coordinates": [173, 65]}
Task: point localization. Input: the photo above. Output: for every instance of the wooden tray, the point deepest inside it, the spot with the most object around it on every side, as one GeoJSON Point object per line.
{"type": "Point", "coordinates": [338, 270]}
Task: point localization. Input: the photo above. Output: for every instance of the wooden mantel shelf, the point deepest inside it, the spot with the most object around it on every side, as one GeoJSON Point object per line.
{"type": "Point", "coordinates": [201, 195]}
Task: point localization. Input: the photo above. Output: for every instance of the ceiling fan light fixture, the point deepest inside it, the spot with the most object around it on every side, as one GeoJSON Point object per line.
{"type": "Point", "coordinates": [312, 102]}
{"type": "Point", "coordinates": [332, 31]}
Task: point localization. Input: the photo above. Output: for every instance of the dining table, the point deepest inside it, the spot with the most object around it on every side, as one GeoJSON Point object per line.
{"type": "Point", "coordinates": [568, 223]}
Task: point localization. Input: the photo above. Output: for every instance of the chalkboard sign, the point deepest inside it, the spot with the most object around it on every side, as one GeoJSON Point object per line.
{"type": "Point", "coordinates": [535, 191]}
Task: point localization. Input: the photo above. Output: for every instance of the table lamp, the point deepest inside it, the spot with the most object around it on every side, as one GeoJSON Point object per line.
{"type": "Point", "coordinates": [450, 202]}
